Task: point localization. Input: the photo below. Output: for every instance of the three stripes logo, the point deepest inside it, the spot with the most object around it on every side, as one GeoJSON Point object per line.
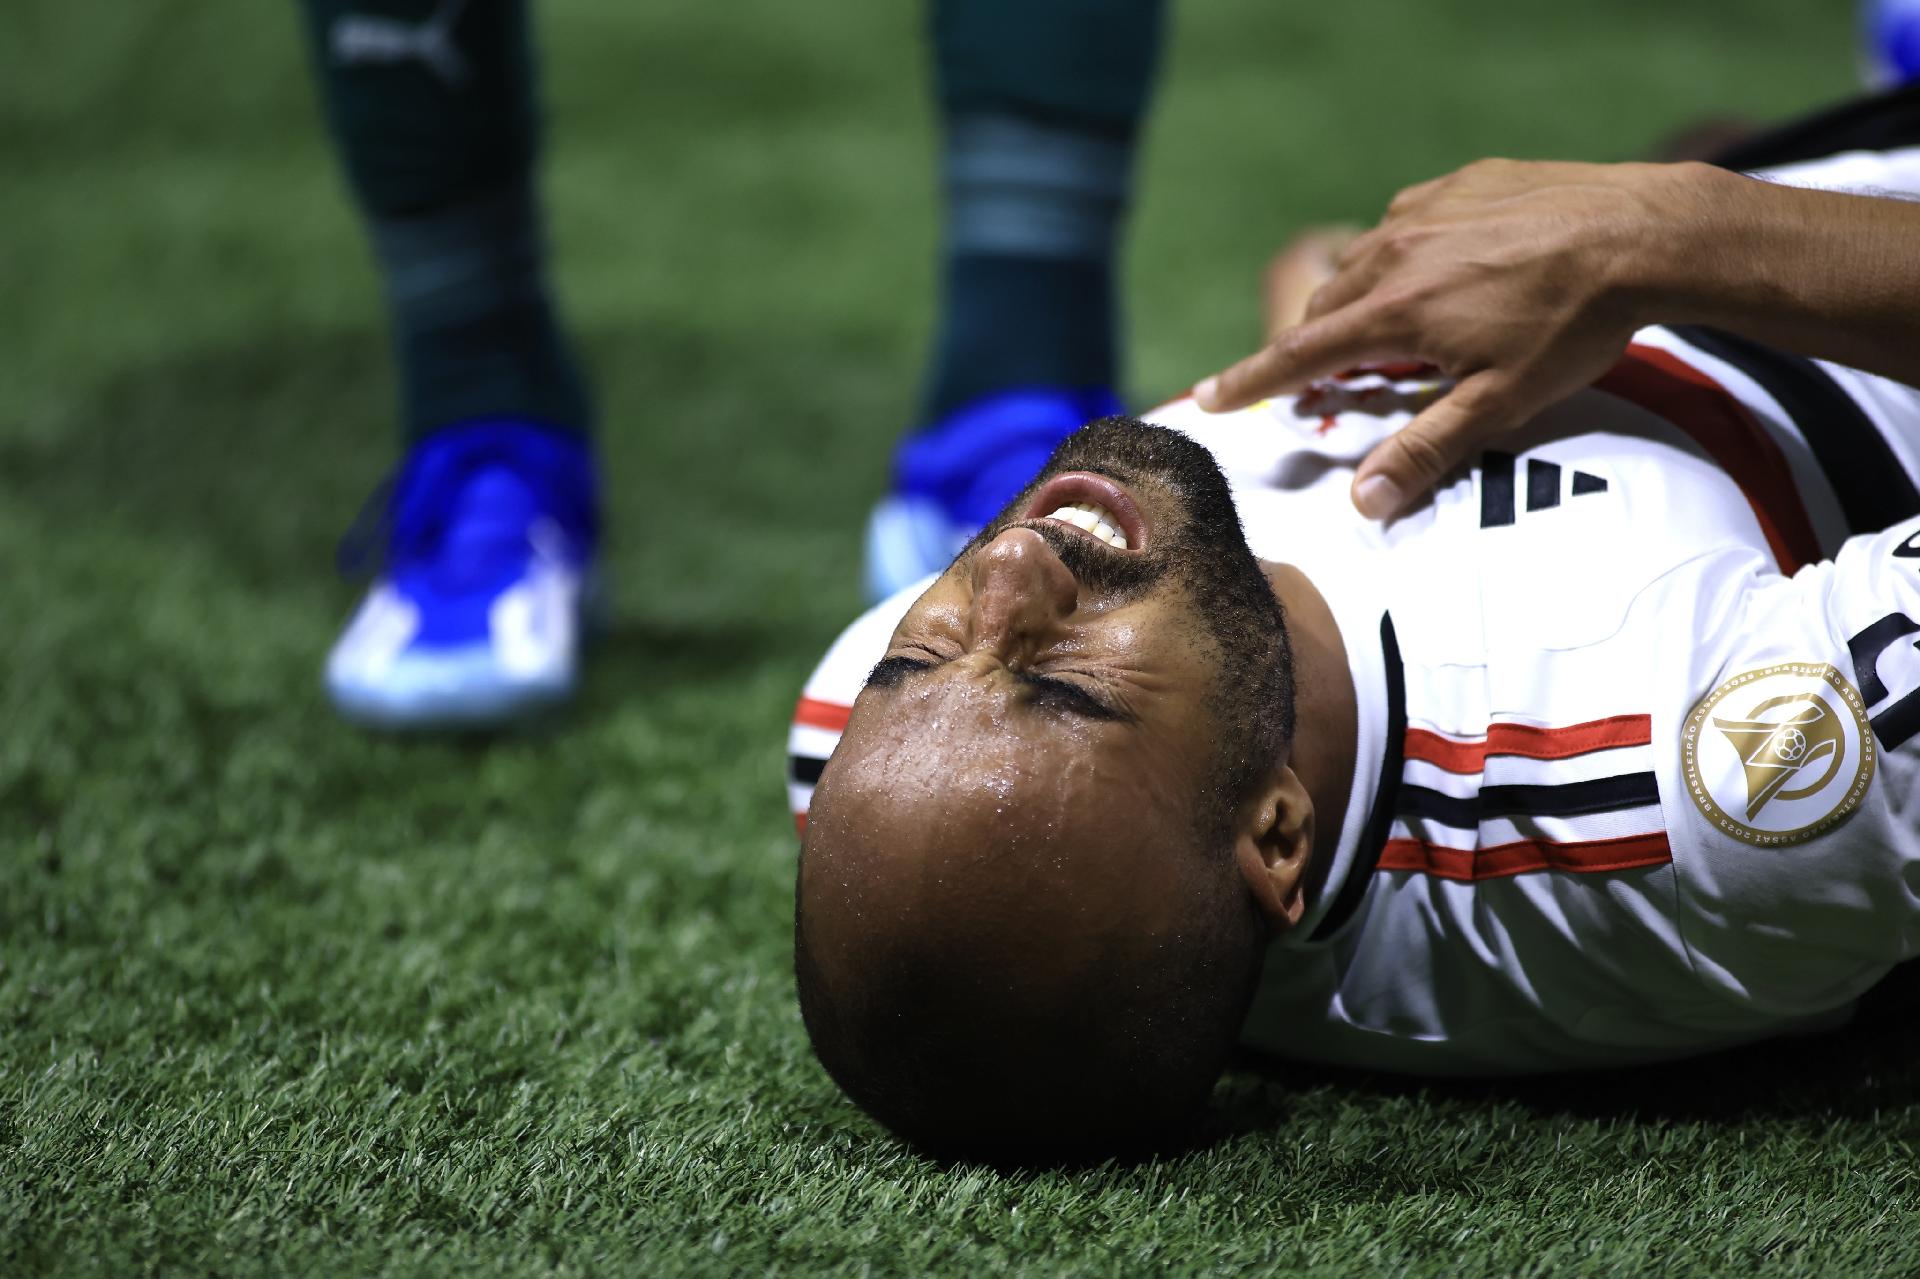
{"type": "Point", "coordinates": [1546, 485]}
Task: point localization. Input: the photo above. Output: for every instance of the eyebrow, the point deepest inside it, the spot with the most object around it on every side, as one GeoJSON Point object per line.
{"type": "Point", "coordinates": [1043, 690]}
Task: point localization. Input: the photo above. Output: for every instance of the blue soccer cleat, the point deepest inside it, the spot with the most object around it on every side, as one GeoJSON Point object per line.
{"type": "Point", "coordinates": [475, 619]}
{"type": "Point", "coordinates": [1890, 45]}
{"type": "Point", "coordinates": [954, 476]}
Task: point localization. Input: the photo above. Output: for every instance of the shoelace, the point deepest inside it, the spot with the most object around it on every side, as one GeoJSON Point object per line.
{"type": "Point", "coordinates": [409, 511]}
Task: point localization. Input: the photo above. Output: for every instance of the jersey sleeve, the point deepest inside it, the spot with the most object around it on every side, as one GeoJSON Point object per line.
{"type": "Point", "coordinates": [1792, 778]}
{"type": "Point", "coordinates": [1894, 173]}
{"type": "Point", "coordinates": [827, 697]}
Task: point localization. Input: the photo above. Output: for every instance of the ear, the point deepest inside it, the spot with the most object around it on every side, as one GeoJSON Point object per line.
{"type": "Point", "coordinates": [1273, 842]}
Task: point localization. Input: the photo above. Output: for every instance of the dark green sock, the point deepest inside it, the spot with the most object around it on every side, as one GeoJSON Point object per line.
{"type": "Point", "coordinates": [1041, 101]}
{"type": "Point", "coordinates": [1011, 322]}
{"type": "Point", "coordinates": [432, 107]}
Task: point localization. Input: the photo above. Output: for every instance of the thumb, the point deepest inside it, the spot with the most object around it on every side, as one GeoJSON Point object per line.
{"type": "Point", "coordinates": [1410, 462]}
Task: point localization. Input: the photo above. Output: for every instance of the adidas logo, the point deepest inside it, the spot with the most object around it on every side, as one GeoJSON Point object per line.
{"type": "Point", "coordinates": [1547, 484]}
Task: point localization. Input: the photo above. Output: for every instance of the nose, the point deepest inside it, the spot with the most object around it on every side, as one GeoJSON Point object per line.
{"type": "Point", "coordinates": [1021, 590]}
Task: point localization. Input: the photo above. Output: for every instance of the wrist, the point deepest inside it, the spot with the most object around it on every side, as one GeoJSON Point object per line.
{"type": "Point", "coordinates": [1672, 263]}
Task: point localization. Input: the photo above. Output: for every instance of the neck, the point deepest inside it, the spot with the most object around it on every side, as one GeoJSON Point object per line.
{"type": "Point", "coordinates": [1324, 710]}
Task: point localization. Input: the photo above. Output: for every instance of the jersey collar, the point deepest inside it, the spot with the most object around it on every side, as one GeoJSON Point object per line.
{"type": "Point", "coordinates": [1380, 705]}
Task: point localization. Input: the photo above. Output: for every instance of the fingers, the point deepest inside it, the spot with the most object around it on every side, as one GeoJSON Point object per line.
{"type": "Point", "coordinates": [1316, 349]}
{"type": "Point", "coordinates": [1292, 278]}
{"type": "Point", "coordinates": [1408, 197]}
{"type": "Point", "coordinates": [1336, 293]}
{"type": "Point", "coordinates": [1409, 463]}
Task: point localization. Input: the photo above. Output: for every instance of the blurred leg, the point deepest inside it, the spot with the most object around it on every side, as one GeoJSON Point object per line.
{"type": "Point", "coordinates": [431, 104]}
{"type": "Point", "coordinates": [1040, 101]}
{"type": "Point", "coordinates": [491, 523]}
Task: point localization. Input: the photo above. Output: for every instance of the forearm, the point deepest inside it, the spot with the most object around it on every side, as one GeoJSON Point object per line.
{"type": "Point", "coordinates": [1822, 274]}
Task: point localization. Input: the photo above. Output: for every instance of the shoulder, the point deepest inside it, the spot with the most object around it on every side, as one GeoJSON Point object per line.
{"type": "Point", "coordinates": [827, 697]}
{"type": "Point", "coordinates": [1791, 778]}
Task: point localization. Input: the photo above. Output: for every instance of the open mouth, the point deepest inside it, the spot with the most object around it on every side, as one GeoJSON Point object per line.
{"type": "Point", "coordinates": [1093, 504]}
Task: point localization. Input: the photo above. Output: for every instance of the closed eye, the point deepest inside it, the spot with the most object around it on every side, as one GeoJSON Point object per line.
{"type": "Point", "coordinates": [890, 672]}
{"type": "Point", "coordinates": [1070, 697]}
{"type": "Point", "coordinates": [1042, 690]}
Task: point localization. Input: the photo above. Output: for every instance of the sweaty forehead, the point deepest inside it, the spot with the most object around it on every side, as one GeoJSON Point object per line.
{"type": "Point", "coordinates": [947, 770]}
{"type": "Point", "coordinates": [938, 746]}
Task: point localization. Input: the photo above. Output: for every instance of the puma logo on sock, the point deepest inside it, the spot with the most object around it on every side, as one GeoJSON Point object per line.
{"type": "Point", "coordinates": [362, 40]}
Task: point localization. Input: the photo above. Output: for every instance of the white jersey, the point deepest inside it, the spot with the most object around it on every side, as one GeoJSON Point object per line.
{"type": "Point", "coordinates": [1638, 695]}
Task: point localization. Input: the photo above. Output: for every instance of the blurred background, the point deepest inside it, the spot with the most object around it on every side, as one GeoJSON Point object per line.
{"type": "Point", "coordinates": [744, 216]}
{"type": "Point", "coordinates": [250, 956]}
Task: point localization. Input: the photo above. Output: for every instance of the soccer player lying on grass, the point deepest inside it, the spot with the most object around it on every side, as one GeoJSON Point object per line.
{"type": "Point", "coordinates": [1604, 754]}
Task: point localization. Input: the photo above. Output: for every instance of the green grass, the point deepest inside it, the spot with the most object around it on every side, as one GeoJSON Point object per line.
{"type": "Point", "coordinates": [278, 997]}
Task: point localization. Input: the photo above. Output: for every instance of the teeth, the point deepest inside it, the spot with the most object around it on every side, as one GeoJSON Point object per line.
{"type": "Point", "coordinates": [1097, 520]}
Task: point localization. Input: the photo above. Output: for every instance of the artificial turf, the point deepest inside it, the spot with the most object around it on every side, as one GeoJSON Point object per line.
{"type": "Point", "coordinates": [276, 996]}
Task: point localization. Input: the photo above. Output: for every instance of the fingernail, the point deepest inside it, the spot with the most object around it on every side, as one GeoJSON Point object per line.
{"type": "Point", "coordinates": [1206, 392]}
{"type": "Point", "coordinates": [1377, 497]}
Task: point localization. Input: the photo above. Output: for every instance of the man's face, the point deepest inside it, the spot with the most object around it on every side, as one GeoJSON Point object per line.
{"type": "Point", "coordinates": [1020, 900]}
{"type": "Point", "coordinates": [1169, 647]}
{"type": "Point", "coordinates": [1132, 688]}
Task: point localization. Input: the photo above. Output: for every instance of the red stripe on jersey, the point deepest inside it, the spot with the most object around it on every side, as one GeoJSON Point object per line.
{"type": "Point", "coordinates": [1528, 741]}
{"type": "Point", "coordinates": [814, 713]}
{"type": "Point", "coordinates": [1501, 860]}
{"type": "Point", "coordinates": [800, 824]}
{"type": "Point", "coordinates": [1664, 385]}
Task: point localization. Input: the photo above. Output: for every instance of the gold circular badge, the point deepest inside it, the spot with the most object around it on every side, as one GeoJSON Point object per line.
{"type": "Point", "coordinates": [1778, 755]}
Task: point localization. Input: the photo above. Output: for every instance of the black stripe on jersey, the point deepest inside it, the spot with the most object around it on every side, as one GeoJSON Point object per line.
{"type": "Point", "coordinates": [1380, 821]}
{"type": "Point", "coordinates": [804, 769]}
{"type": "Point", "coordinates": [1584, 484]}
{"type": "Point", "coordinates": [1873, 488]}
{"type": "Point", "coordinates": [1567, 799]}
{"type": "Point", "coordinates": [1864, 650]}
{"type": "Point", "coordinates": [1900, 721]}
{"type": "Point", "coordinates": [1496, 489]}
{"type": "Point", "coordinates": [1880, 122]}
{"type": "Point", "coordinates": [1543, 484]}
{"type": "Point", "coordinates": [1897, 725]}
